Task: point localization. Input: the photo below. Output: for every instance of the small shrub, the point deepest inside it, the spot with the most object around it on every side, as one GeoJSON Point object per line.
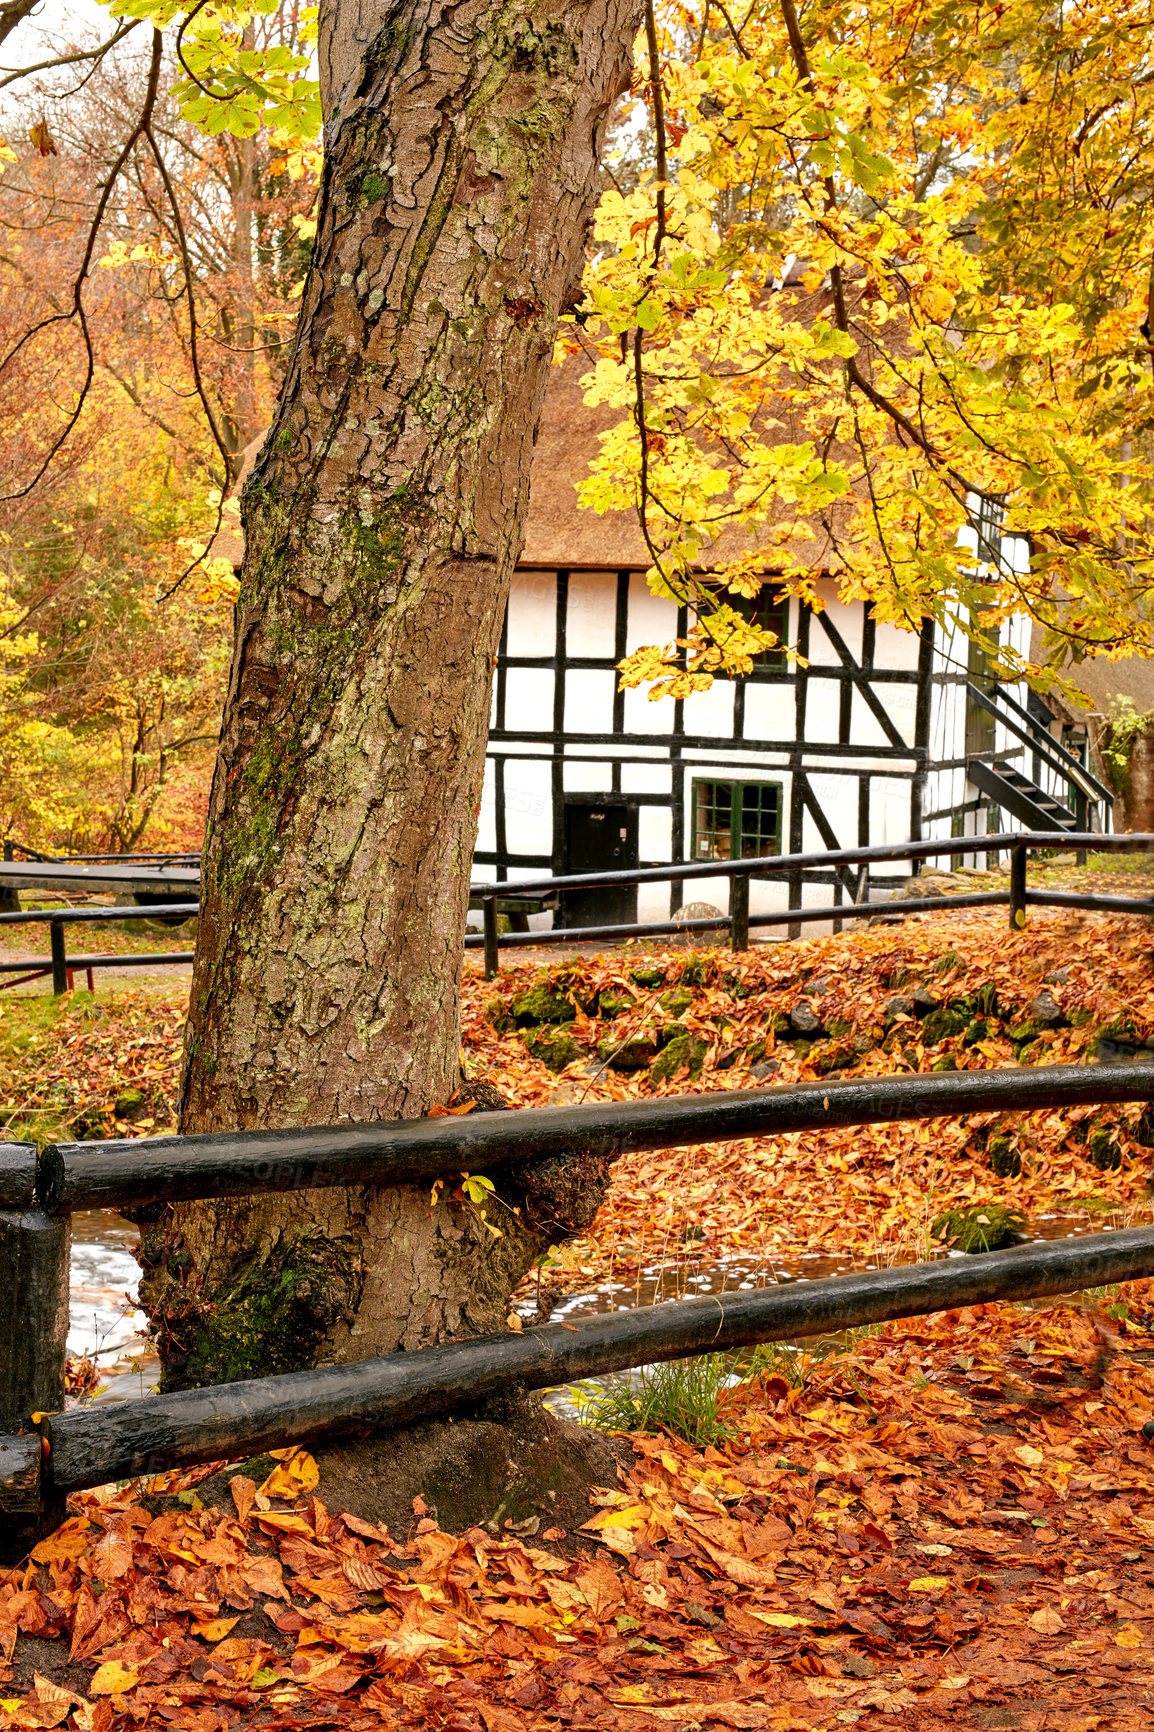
{"type": "Point", "coordinates": [684, 1398]}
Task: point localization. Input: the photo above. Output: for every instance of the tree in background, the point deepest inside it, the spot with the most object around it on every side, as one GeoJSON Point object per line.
{"type": "Point", "coordinates": [111, 667]}
{"type": "Point", "coordinates": [891, 268]}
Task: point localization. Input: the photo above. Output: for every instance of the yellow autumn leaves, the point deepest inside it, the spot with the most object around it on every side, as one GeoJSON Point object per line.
{"type": "Point", "coordinates": [848, 330]}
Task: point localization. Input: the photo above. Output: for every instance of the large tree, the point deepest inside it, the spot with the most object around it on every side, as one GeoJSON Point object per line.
{"type": "Point", "coordinates": [383, 518]}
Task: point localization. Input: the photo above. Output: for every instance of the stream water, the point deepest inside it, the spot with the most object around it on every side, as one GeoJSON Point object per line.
{"type": "Point", "coordinates": [106, 1323]}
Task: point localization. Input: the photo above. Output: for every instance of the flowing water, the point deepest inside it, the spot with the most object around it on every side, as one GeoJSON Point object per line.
{"type": "Point", "coordinates": [107, 1325]}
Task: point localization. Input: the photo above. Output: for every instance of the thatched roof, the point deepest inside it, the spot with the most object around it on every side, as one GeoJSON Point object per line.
{"type": "Point", "coordinates": [559, 533]}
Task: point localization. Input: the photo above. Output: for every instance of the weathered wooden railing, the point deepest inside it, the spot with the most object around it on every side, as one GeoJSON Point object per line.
{"type": "Point", "coordinates": [1017, 897]}
{"type": "Point", "coordinates": [62, 967]}
{"type": "Point", "coordinates": [42, 1459]}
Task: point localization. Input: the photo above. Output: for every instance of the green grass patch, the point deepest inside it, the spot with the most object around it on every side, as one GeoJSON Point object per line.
{"type": "Point", "coordinates": [689, 1398]}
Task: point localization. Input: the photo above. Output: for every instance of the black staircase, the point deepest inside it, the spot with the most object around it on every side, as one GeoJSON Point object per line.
{"type": "Point", "coordinates": [1006, 786]}
{"type": "Point", "coordinates": [1017, 795]}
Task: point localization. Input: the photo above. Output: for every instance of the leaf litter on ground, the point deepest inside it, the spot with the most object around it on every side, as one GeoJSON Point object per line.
{"type": "Point", "coordinates": [950, 1525]}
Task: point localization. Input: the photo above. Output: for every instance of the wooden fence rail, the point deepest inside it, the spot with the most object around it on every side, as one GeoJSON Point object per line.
{"type": "Point", "coordinates": [40, 1461]}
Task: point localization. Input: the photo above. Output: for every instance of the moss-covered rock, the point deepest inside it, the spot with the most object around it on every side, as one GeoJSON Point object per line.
{"type": "Point", "coordinates": [945, 1061]}
{"type": "Point", "coordinates": [978, 1029]}
{"type": "Point", "coordinates": [130, 1104]}
{"type": "Point", "coordinates": [684, 1049]}
{"type": "Point", "coordinates": [676, 1001]}
{"type": "Point", "coordinates": [982, 1227]}
{"type": "Point", "coordinates": [1003, 1157]}
{"type": "Point", "coordinates": [614, 1003]}
{"type": "Point", "coordinates": [943, 1023]}
{"type": "Point", "coordinates": [553, 1045]}
{"type": "Point", "coordinates": [543, 1003]}
{"type": "Point", "coordinates": [837, 1056]}
{"type": "Point", "coordinates": [804, 1020]}
{"type": "Point", "coordinates": [648, 977]}
{"type": "Point", "coordinates": [1103, 1148]}
{"type": "Point", "coordinates": [636, 1052]}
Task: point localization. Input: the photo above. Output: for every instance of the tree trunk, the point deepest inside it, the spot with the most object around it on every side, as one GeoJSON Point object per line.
{"type": "Point", "coordinates": [383, 518]}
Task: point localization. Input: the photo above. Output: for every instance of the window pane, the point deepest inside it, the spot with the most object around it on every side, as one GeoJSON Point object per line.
{"type": "Point", "coordinates": [713, 819]}
{"type": "Point", "coordinates": [760, 812]}
{"type": "Point", "coordinates": [772, 615]}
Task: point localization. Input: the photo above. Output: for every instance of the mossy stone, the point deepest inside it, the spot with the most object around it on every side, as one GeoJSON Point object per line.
{"type": "Point", "coordinates": [635, 1053]}
{"type": "Point", "coordinates": [945, 1061]}
{"type": "Point", "coordinates": [943, 1024]}
{"type": "Point", "coordinates": [683, 1049]}
{"type": "Point", "coordinates": [1004, 1159]}
{"type": "Point", "coordinates": [553, 1046]}
{"type": "Point", "coordinates": [1103, 1149]}
{"type": "Point", "coordinates": [975, 1031]}
{"type": "Point", "coordinates": [676, 1001]}
{"type": "Point", "coordinates": [648, 977]}
{"type": "Point", "coordinates": [837, 1028]}
{"type": "Point", "coordinates": [982, 1227]}
{"type": "Point", "coordinates": [827, 1059]}
{"type": "Point", "coordinates": [542, 1004]}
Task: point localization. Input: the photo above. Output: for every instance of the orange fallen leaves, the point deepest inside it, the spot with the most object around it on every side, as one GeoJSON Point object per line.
{"type": "Point", "coordinates": [884, 1540]}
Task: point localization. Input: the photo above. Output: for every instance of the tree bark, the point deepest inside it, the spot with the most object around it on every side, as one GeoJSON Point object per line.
{"type": "Point", "coordinates": [383, 518]}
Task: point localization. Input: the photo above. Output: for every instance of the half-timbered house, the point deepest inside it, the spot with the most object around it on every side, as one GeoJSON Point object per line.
{"type": "Point", "coordinates": [874, 735]}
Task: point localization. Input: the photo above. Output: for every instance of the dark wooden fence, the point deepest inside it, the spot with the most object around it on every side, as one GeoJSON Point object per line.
{"type": "Point", "coordinates": [738, 923]}
{"type": "Point", "coordinates": [42, 1460]}
{"type": "Point", "coordinates": [1017, 896]}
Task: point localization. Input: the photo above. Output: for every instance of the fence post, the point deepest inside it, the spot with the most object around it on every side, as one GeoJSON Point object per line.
{"type": "Point", "coordinates": [1017, 887]}
{"type": "Point", "coordinates": [1081, 821]}
{"type": "Point", "coordinates": [59, 959]}
{"type": "Point", "coordinates": [739, 911]}
{"type": "Point", "coordinates": [33, 1314]}
{"type": "Point", "coordinates": [489, 916]}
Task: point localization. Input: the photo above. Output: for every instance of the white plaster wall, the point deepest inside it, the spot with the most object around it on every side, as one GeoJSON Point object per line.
{"type": "Point", "coordinates": [588, 700]}
{"type": "Point", "coordinates": [643, 717]}
{"type": "Point", "coordinates": [894, 648]}
{"type": "Point", "coordinates": [770, 711]}
{"type": "Point", "coordinates": [651, 619]}
{"type": "Point", "coordinates": [823, 710]}
{"type": "Point", "coordinates": [532, 617]}
{"type": "Point", "coordinates": [528, 699]}
{"type": "Point", "coordinates": [591, 614]}
{"type": "Point", "coordinates": [889, 810]}
{"type": "Point", "coordinates": [646, 779]}
{"type": "Point", "coordinates": [710, 713]}
{"type": "Point", "coordinates": [528, 807]}
{"type": "Point", "coordinates": [837, 797]}
{"type": "Point", "coordinates": [655, 833]}
{"type": "Point", "coordinates": [582, 776]}
{"type": "Point", "coordinates": [847, 619]}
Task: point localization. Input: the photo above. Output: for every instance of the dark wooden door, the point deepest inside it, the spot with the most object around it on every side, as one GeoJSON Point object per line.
{"type": "Point", "coordinates": [600, 836]}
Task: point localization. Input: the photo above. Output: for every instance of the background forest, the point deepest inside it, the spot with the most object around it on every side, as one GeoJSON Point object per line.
{"type": "Point", "coordinates": [112, 652]}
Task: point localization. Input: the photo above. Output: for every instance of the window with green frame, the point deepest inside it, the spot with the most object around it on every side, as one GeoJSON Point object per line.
{"type": "Point", "coordinates": [736, 820]}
